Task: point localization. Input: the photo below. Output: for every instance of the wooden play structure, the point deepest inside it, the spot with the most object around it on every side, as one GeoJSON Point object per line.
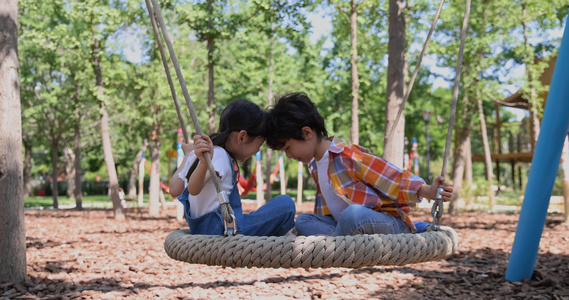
{"type": "Point", "coordinates": [520, 147]}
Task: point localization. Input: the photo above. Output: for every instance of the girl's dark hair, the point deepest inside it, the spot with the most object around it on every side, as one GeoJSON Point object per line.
{"type": "Point", "coordinates": [287, 117]}
{"type": "Point", "coordinates": [236, 116]}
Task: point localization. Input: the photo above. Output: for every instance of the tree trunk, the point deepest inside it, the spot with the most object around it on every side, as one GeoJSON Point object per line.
{"type": "Point", "coordinates": [69, 158]}
{"type": "Point", "coordinates": [210, 65]}
{"type": "Point", "coordinates": [134, 171]}
{"type": "Point", "coordinates": [459, 163]}
{"type": "Point", "coordinates": [27, 168]}
{"type": "Point", "coordinates": [106, 136]}
{"type": "Point", "coordinates": [78, 191]}
{"type": "Point", "coordinates": [394, 143]}
{"type": "Point", "coordinates": [154, 184]}
{"type": "Point", "coordinates": [533, 102]}
{"type": "Point", "coordinates": [467, 176]}
{"type": "Point", "coordinates": [12, 230]}
{"type": "Point", "coordinates": [487, 155]}
{"type": "Point", "coordinates": [54, 172]}
{"type": "Point", "coordinates": [355, 128]}
{"type": "Point", "coordinates": [269, 160]}
{"type": "Point", "coordinates": [565, 172]}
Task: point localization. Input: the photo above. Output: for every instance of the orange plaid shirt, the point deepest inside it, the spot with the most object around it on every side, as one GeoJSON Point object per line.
{"type": "Point", "coordinates": [359, 177]}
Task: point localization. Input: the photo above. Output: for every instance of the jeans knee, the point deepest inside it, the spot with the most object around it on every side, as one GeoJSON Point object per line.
{"type": "Point", "coordinates": [352, 213]}
{"type": "Point", "coordinates": [285, 203]}
{"type": "Point", "coordinates": [302, 219]}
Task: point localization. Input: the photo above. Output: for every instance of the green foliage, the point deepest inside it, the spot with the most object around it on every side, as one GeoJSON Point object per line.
{"type": "Point", "coordinates": [56, 41]}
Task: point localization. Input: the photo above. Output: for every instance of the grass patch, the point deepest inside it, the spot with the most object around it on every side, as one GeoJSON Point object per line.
{"type": "Point", "coordinates": [89, 201]}
{"type": "Point", "coordinates": [102, 201]}
{"type": "Point", "coordinates": [276, 192]}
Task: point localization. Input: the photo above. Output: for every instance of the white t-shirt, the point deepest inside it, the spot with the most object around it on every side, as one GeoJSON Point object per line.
{"type": "Point", "coordinates": [333, 201]}
{"type": "Point", "coordinates": [206, 201]}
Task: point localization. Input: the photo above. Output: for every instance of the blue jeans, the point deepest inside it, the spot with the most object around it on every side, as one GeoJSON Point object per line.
{"type": "Point", "coordinates": [275, 218]}
{"type": "Point", "coordinates": [355, 219]}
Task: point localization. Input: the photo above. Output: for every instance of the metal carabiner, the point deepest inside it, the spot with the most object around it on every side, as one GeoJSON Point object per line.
{"type": "Point", "coordinates": [437, 211]}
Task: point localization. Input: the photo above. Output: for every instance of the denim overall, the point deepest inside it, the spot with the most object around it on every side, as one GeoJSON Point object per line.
{"type": "Point", "coordinates": [274, 218]}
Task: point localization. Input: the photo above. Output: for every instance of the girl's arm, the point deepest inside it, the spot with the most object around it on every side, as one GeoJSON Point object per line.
{"type": "Point", "coordinates": [177, 184]}
{"type": "Point", "coordinates": [197, 180]}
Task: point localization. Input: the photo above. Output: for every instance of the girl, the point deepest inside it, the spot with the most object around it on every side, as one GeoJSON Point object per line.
{"type": "Point", "coordinates": [241, 133]}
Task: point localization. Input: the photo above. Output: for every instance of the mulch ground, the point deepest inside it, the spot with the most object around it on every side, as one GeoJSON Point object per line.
{"type": "Point", "coordinates": [88, 255]}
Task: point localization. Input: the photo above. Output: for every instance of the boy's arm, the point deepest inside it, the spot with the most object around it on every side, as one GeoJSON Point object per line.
{"type": "Point", "coordinates": [430, 191]}
{"type": "Point", "coordinates": [394, 182]}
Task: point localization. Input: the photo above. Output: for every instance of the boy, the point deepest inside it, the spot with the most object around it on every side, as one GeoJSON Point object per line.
{"type": "Point", "coordinates": [357, 192]}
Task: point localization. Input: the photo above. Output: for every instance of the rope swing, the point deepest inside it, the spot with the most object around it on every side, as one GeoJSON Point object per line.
{"type": "Point", "coordinates": [235, 250]}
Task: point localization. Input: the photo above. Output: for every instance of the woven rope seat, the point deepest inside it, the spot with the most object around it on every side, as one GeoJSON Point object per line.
{"type": "Point", "coordinates": [311, 251]}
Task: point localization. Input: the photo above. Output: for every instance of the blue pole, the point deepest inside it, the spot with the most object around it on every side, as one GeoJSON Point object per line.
{"type": "Point", "coordinates": [543, 170]}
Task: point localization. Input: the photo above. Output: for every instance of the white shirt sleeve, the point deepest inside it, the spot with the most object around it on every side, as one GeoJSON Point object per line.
{"type": "Point", "coordinates": [221, 165]}
{"type": "Point", "coordinates": [206, 200]}
{"type": "Point", "coordinates": [220, 162]}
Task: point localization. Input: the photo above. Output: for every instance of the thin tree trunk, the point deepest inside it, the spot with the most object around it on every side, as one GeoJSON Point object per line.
{"type": "Point", "coordinates": [565, 172]}
{"type": "Point", "coordinates": [533, 102]}
{"type": "Point", "coordinates": [54, 172]}
{"type": "Point", "coordinates": [394, 144]}
{"type": "Point", "coordinates": [12, 229]}
{"type": "Point", "coordinates": [154, 184]}
{"type": "Point", "coordinates": [355, 128]}
{"type": "Point", "coordinates": [134, 171]}
{"type": "Point", "coordinates": [69, 158]}
{"type": "Point", "coordinates": [78, 191]}
{"type": "Point", "coordinates": [459, 159]}
{"type": "Point", "coordinates": [106, 136]}
{"type": "Point", "coordinates": [27, 168]}
{"type": "Point", "coordinates": [269, 160]}
{"type": "Point", "coordinates": [487, 155]}
{"type": "Point", "coordinates": [210, 65]}
{"type": "Point", "coordinates": [467, 177]}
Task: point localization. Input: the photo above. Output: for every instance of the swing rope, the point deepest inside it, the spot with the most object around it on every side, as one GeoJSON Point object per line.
{"type": "Point", "coordinates": [436, 243]}
{"type": "Point", "coordinates": [438, 206]}
{"type": "Point", "coordinates": [222, 197]}
{"type": "Point", "coordinates": [168, 75]}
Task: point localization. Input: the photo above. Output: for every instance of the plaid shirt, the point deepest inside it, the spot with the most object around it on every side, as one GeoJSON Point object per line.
{"type": "Point", "coordinates": [359, 177]}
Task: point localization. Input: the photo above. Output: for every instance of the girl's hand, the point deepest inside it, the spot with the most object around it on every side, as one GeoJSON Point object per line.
{"type": "Point", "coordinates": [430, 191]}
{"type": "Point", "coordinates": [187, 148]}
{"type": "Point", "coordinates": [203, 144]}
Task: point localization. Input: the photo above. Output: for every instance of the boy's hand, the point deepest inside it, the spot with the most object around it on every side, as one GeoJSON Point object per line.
{"type": "Point", "coordinates": [202, 144]}
{"type": "Point", "coordinates": [430, 191]}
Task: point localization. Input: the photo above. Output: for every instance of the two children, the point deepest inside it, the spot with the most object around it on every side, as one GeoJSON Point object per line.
{"type": "Point", "coordinates": [241, 133]}
{"type": "Point", "coordinates": [357, 192]}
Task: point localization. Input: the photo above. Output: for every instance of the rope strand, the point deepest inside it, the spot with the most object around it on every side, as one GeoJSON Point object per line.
{"type": "Point", "coordinates": [167, 70]}
{"type": "Point", "coordinates": [458, 71]}
{"type": "Point", "coordinates": [226, 210]}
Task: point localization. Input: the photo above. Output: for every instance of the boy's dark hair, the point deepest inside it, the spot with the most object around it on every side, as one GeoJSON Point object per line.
{"type": "Point", "coordinates": [287, 117]}
{"type": "Point", "coordinates": [236, 116]}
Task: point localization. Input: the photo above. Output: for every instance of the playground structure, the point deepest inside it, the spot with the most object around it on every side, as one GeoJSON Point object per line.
{"type": "Point", "coordinates": [520, 147]}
